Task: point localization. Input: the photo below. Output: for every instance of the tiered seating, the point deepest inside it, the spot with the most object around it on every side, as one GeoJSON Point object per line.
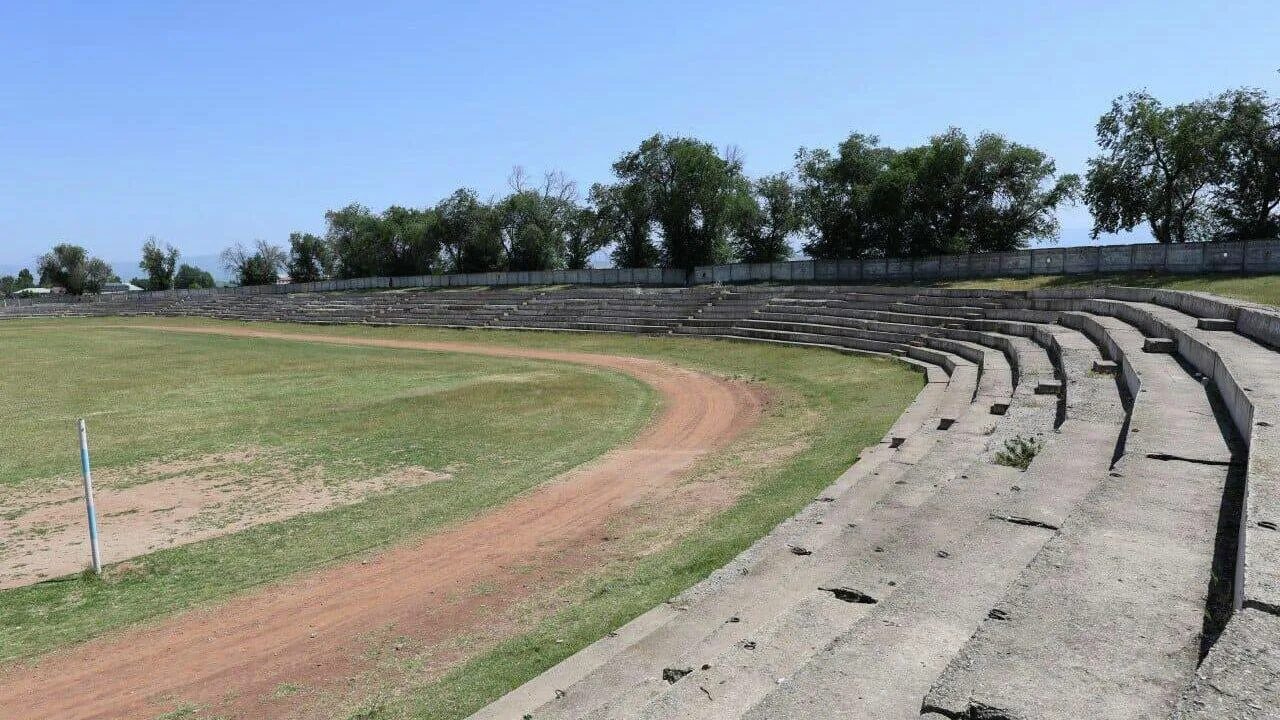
{"type": "Point", "coordinates": [1079, 588]}
{"type": "Point", "coordinates": [929, 578]}
{"type": "Point", "coordinates": [637, 310]}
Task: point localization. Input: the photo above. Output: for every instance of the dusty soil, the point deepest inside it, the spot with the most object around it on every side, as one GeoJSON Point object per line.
{"type": "Point", "coordinates": [314, 631]}
{"type": "Point", "coordinates": [167, 503]}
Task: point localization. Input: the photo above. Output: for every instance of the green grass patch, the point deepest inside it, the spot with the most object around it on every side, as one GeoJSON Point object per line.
{"type": "Point", "coordinates": [501, 425]}
{"type": "Point", "coordinates": [826, 405]}
{"type": "Point", "coordinates": [834, 404]}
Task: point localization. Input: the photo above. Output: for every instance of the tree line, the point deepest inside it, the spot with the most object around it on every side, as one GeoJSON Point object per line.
{"type": "Point", "coordinates": [682, 202]}
{"type": "Point", "coordinates": [1203, 170]}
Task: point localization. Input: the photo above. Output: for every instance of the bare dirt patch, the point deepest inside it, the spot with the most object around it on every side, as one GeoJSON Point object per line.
{"type": "Point", "coordinates": [312, 631]}
{"type": "Point", "coordinates": [165, 503]}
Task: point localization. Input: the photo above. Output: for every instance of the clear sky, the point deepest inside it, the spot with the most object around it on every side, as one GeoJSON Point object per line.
{"type": "Point", "coordinates": [211, 123]}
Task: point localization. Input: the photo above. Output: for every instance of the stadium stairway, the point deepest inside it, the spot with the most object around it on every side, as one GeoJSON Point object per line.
{"type": "Point", "coordinates": [1132, 570]}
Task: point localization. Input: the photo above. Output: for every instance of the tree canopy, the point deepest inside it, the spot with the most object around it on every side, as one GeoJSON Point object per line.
{"type": "Point", "coordinates": [10, 284]}
{"type": "Point", "coordinates": [765, 220]}
{"type": "Point", "coordinates": [192, 278]}
{"type": "Point", "coordinates": [310, 258]}
{"type": "Point", "coordinates": [1203, 170]}
{"type": "Point", "coordinates": [258, 266]}
{"type": "Point", "coordinates": [70, 267]}
{"type": "Point", "coordinates": [535, 222]}
{"type": "Point", "coordinates": [693, 195]}
{"type": "Point", "coordinates": [1208, 169]}
{"type": "Point", "coordinates": [159, 263]}
{"type": "Point", "coordinates": [951, 195]}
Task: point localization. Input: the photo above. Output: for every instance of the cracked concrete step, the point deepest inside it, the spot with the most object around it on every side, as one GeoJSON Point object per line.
{"type": "Point", "coordinates": [1243, 370]}
{"type": "Point", "coordinates": [1125, 584]}
{"type": "Point", "coordinates": [755, 598]}
{"type": "Point", "coordinates": [1240, 678]}
{"type": "Point", "coordinates": [913, 501]}
{"type": "Point", "coordinates": [883, 669]}
{"type": "Point", "coordinates": [946, 545]}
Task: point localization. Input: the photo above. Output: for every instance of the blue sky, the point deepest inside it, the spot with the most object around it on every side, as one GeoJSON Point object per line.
{"type": "Point", "coordinates": [211, 123]}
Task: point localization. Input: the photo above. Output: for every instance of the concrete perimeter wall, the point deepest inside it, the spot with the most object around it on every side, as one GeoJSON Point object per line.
{"type": "Point", "coordinates": [1244, 256]}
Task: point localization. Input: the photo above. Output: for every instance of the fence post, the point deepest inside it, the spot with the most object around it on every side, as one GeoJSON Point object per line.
{"type": "Point", "coordinates": [96, 556]}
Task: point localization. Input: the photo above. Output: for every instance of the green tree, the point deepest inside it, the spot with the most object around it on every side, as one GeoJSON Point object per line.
{"type": "Point", "coordinates": [159, 264]}
{"type": "Point", "coordinates": [694, 193]}
{"type": "Point", "coordinates": [70, 267]}
{"type": "Point", "coordinates": [1157, 167]}
{"type": "Point", "coordinates": [957, 195]}
{"type": "Point", "coordinates": [192, 278]}
{"type": "Point", "coordinates": [951, 195]}
{"type": "Point", "coordinates": [469, 233]}
{"type": "Point", "coordinates": [408, 241]}
{"type": "Point", "coordinates": [259, 266]}
{"type": "Point", "coordinates": [767, 221]}
{"type": "Point", "coordinates": [8, 284]}
{"type": "Point", "coordinates": [25, 280]}
{"type": "Point", "coordinates": [624, 212]}
{"type": "Point", "coordinates": [833, 197]}
{"type": "Point", "coordinates": [585, 235]}
{"type": "Point", "coordinates": [353, 233]}
{"type": "Point", "coordinates": [311, 258]}
{"type": "Point", "coordinates": [1246, 198]}
{"type": "Point", "coordinates": [535, 221]}
{"type": "Point", "coordinates": [399, 241]}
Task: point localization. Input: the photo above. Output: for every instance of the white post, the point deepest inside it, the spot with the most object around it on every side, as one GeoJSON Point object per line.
{"type": "Point", "coordinates": [88, 500]}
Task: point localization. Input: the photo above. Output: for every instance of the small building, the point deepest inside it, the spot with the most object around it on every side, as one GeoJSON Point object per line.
{"type": "Point", "coordinates": [119, 287]}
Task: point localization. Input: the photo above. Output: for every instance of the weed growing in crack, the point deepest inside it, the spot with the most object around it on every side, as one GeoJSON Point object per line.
{"type": "Point", "coordinates": [1019, 451]}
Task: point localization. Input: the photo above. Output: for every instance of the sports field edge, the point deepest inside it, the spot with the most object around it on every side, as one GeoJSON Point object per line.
{"type": "Point", "coordinates": [629, 590]}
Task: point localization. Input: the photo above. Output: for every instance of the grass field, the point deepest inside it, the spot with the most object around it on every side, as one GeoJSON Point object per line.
{"type": "Point", "coordinates": [501, 425]}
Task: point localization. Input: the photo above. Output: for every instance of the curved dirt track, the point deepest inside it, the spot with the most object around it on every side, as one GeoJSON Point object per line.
{"type": "Point", "coordinates": [313, 630]}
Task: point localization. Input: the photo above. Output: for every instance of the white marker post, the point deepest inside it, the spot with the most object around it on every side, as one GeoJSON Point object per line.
{"type": "Point", "coordinates": [88, 500]}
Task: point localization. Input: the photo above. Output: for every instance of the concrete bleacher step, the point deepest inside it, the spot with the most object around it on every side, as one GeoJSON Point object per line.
{"type": "Point", "coordinates": [1125, 584]}
{"type": "Point", "coordinates": [882, 665]}
{"type": "Point", "coordinates": [896, 568]}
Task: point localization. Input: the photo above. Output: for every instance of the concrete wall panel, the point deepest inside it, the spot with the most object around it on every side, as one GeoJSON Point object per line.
{"type": "Point", "coordinates": [1262, 256]}
{"type": "Point", "coordinates": [1016, 263]}
{"type": "Point", "coordinates": [1150, 256]}
{"type": "Point", "coordinates": [1224, 257]}
{"type": "Point", "coordinates": [1047, 261]}
{"type": "Point", "coordinates": [1115, 258]}
{"type": "Point", "coordinates": [1185, 258]}
{"type": "Point", "coordinates": [802, 270]}
{"type": "Point", "coordinates": [1080, 260]}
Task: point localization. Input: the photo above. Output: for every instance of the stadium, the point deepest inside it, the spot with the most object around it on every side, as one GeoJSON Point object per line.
{"type": "Point", "coordinates": [1057, 502]}
{"type": "Point", "coordinates": [639, 361]}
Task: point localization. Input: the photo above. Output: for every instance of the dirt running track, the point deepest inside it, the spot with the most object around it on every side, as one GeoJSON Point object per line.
{"type": "Point", "coordinates": [312, 630]}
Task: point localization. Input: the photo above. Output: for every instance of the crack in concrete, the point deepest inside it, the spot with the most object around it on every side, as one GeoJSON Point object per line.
{"type": "Point", "coordinates": [850, 595]}
{"type": "Point", "coordinates": [1019, 520]}
{"type": "Point", "coordinates": [1198, 461]}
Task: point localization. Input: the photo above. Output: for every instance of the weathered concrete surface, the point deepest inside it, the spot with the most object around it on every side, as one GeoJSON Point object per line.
{"type": "Point", "coordinates": [1107, 621]}
{"type": "Point", "coordinates": [1240, 678]}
